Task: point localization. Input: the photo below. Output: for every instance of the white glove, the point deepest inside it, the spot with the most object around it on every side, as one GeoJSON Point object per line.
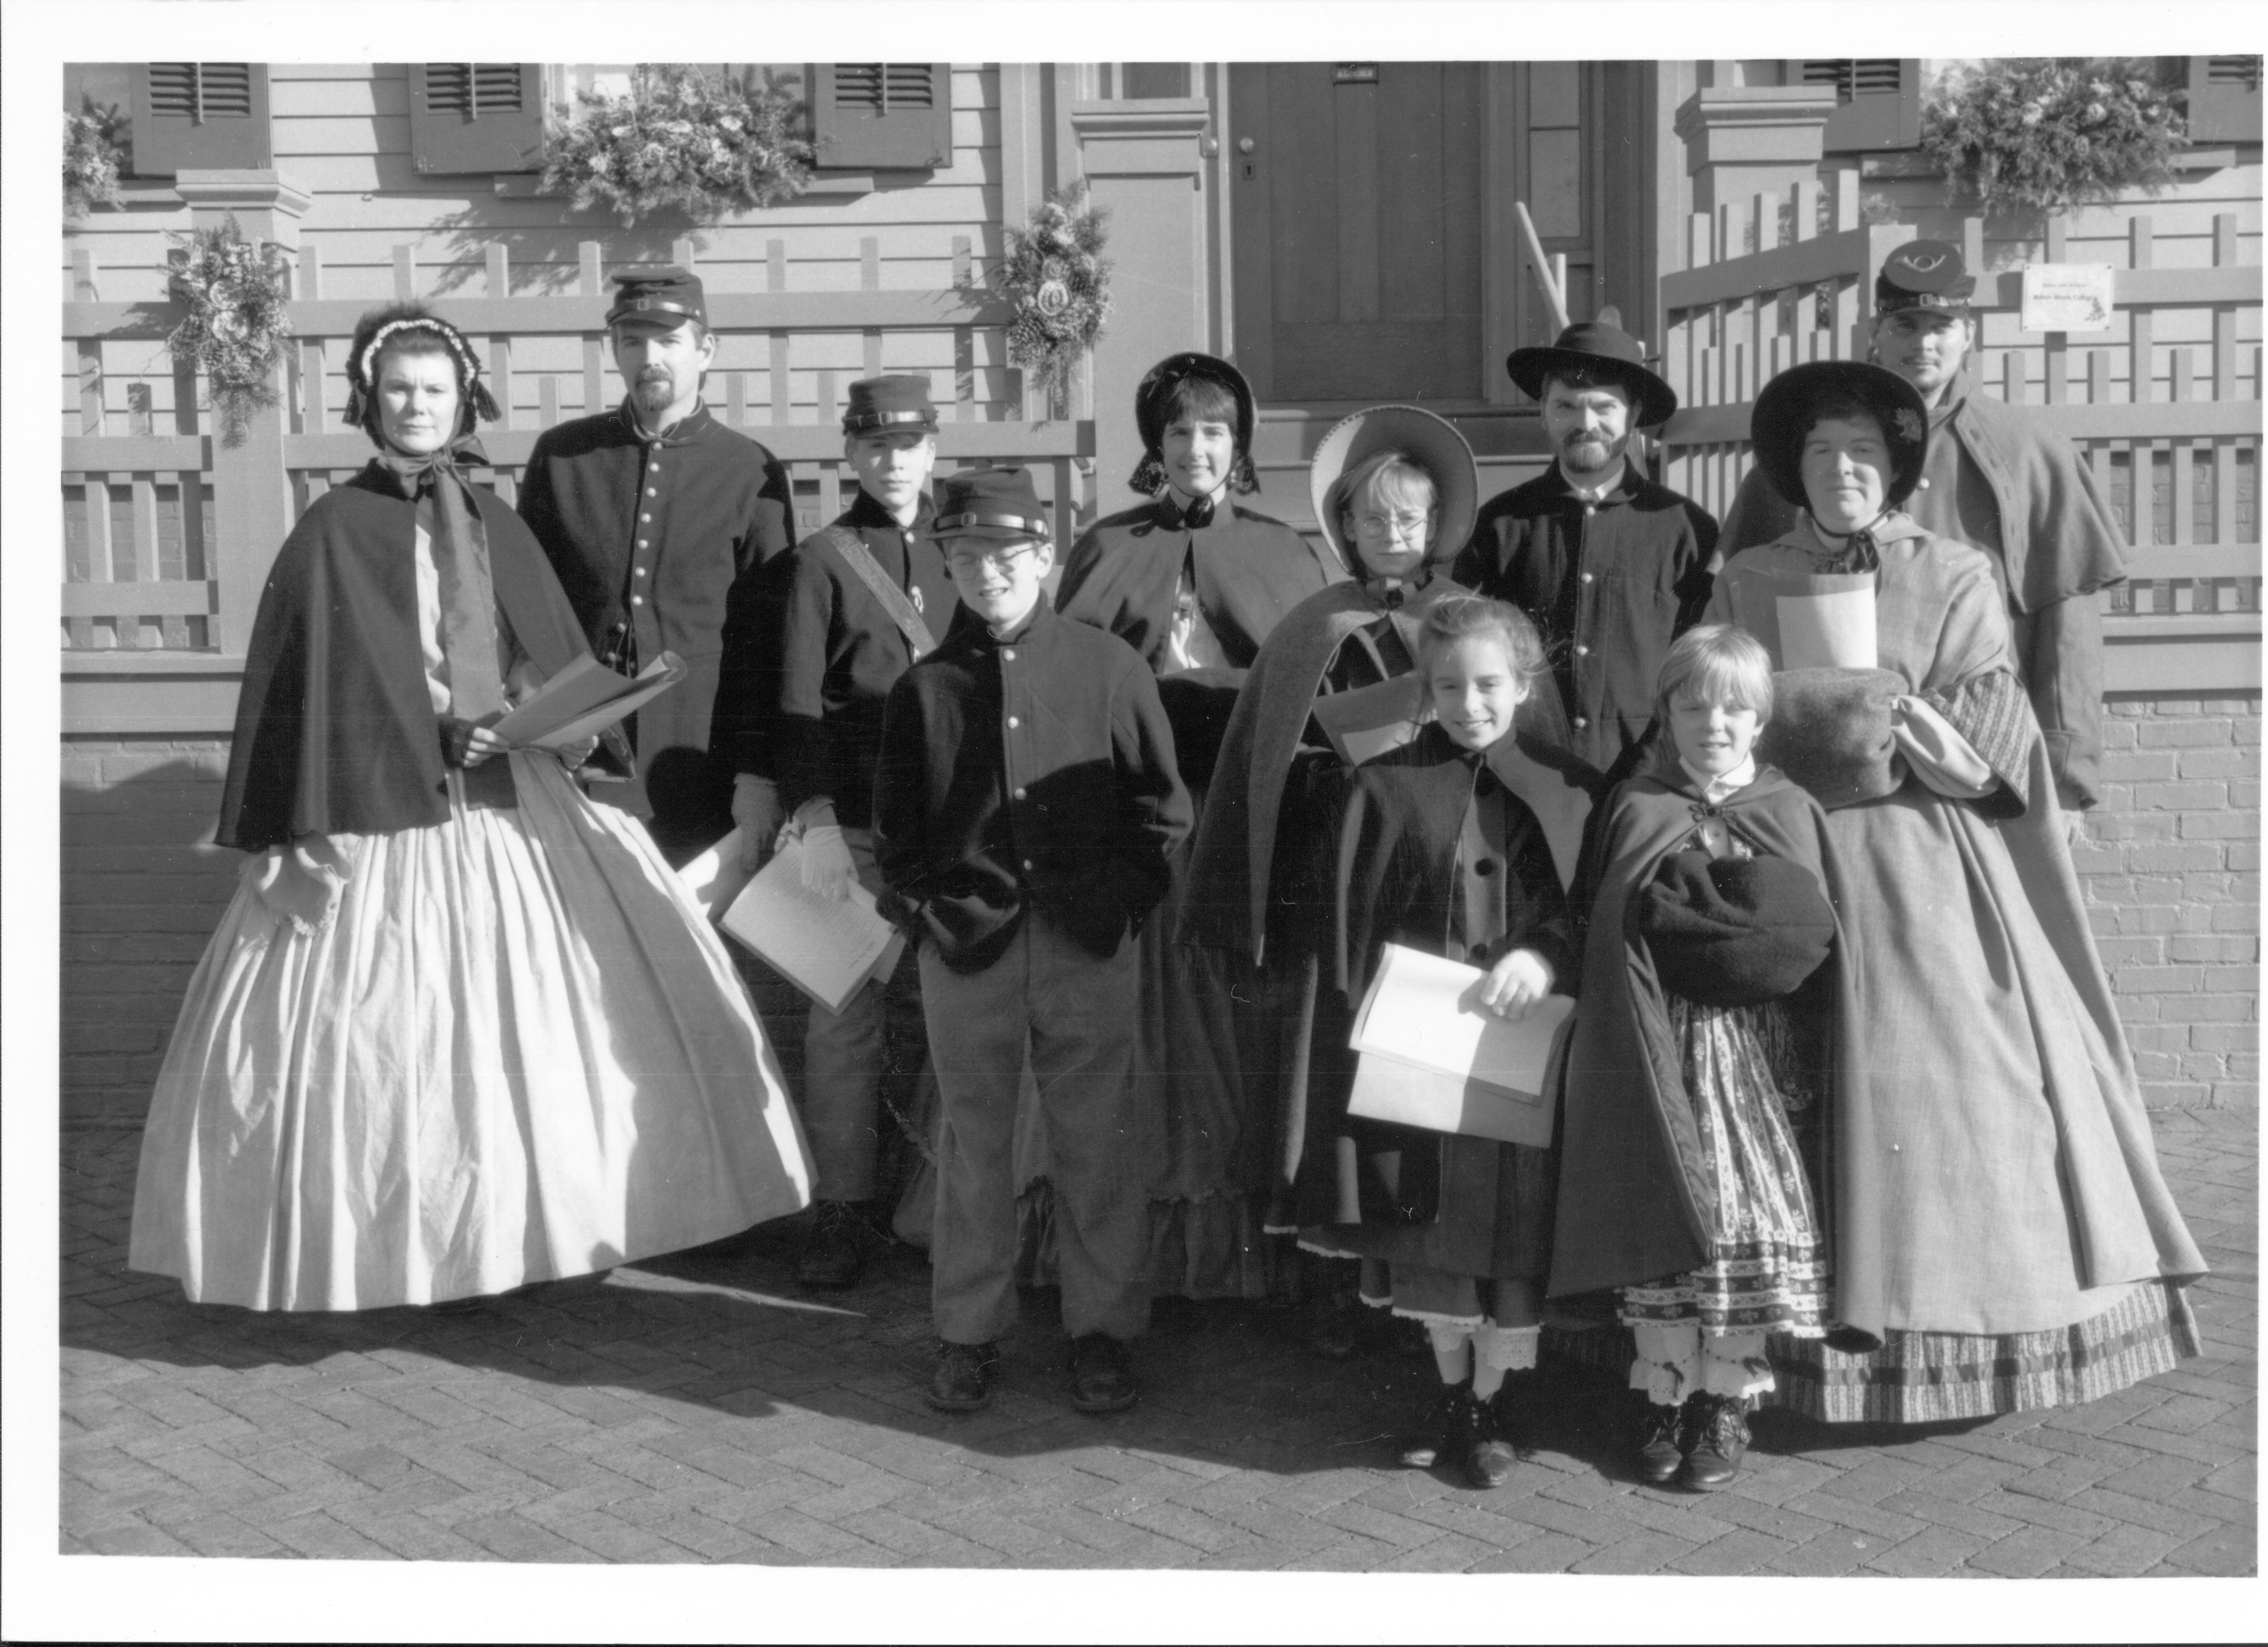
{"type": "Point", "coordinates": [1516, 983]}
{"type": "Point", "coordinates": [756, 815]}
{"type": "Point", "coordinates": [828, 868]}
{"type": "Point", "coordinates": [301, 882]}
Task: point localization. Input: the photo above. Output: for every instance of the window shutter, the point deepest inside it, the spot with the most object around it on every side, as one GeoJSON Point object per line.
{"type": "Point", "coordinates": [874, 116]}
{"type": "Point", "coordinates": [1880, 99]}
{"type": "Point", "coordinates": [2225, 100]}
{"type": "Point", "coordinates": [476, 117]}
{"type": "Point", "coordinates": [189, 116]}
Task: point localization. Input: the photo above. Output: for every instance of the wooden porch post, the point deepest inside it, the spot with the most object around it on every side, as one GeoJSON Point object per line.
{"type": "Point", "coordinates": [251, 495]}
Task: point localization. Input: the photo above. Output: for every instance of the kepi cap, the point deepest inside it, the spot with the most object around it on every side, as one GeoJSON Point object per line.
{"type": "Point", "coordinates": [664, 294]}
{"type": "Point", "coordinates": [997, 504]}
{"type": "Point", "coordinates": [1924, 275]}
{"type": "Point", "coordinates": [897, 402]}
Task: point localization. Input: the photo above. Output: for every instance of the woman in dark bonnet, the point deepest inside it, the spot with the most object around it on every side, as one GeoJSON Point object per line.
{"type": "Point", "coordinates": [461, 1028]}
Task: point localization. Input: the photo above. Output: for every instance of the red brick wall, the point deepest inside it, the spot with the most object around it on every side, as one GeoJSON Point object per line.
{"type": "Point", "coordinates": [2172, 872]}
{"type": "Point", "coordinates": [2171, 866]}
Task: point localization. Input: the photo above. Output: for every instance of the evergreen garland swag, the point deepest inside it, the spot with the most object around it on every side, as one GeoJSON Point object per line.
{"type": "Point", "coordinates": [711, 145]}
{"type": "Point", "coordinates": [2049, 134]}
{"type": "Point", "coordinates": [237, 296]}
{"type": "Point", "coordinates": [1057, 279]}
{"type": "Point", "coordinates": [94, 155]}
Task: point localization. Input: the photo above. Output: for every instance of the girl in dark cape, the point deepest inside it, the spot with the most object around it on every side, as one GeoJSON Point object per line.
{"type": "Point", "coordinates": [1195, 581]}
{"type": "Point", "coordinates": [1394, 489]}
{"type": "Point", "coordinates": [1456, 844]}
{"type": "Point", "coordinates": [461, 1028]}
{"type": "Point", "coordinates": [2001, 1229]}
{"type": "Point", "coordinates": [1700, 1060]}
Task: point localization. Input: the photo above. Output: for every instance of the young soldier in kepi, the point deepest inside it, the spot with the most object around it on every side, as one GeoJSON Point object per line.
{"type": "Point", "coordinates": [1025, 808]}
{"type": "Point", "coordinates": [851, 606]}
{"type": "Point", "coordinates": [1610, 567]}
{"type": "Point", "coordinates": [656, 518]}
{"type": "Point", "coordinates": [1194, 581]}
{"type": "Point", "coordinates": [1993, 478]}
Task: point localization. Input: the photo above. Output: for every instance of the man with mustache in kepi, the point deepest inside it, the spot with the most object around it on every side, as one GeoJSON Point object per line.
{"type": "Point", "coordinates": [1994, 478]}
{"type": "Point", "coordinates": [657, 519]}
{"type": "Point", "coordinates": [1609, 566]}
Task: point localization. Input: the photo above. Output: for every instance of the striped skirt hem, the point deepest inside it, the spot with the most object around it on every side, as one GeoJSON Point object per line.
{"type": "Point", "coordinates": [1919, 1377]}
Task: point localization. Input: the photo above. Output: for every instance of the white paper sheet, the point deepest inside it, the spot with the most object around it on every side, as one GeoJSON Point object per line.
{"type": "Point", "coordinates": [1386, 1089]}
{"type": "Point", "coordinates": [826, 947]}
{"type": "Point", "coordinates": [1827, 621]}
{"type": "Point", "coordinates": [584, 699]}
{"type": "Point", "coordinates": [1367, 722]}
{"type": "Point", "coordinates": [1424, 1011]}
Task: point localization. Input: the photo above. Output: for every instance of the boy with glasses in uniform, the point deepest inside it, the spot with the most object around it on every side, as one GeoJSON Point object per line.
{"type": "Point", "coordinates": [1026, 803]}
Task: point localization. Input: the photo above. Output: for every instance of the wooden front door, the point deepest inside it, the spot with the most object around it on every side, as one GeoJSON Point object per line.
{"type": "Point", "coordinates": [1357, 219]}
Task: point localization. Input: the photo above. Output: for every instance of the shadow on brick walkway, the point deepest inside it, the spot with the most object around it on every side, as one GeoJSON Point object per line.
{"type": "Point", "coordinates": [700, 1410]}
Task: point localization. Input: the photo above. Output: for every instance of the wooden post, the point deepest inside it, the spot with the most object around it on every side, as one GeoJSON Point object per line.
{"type": "Point", "coordinates": [251, 491]}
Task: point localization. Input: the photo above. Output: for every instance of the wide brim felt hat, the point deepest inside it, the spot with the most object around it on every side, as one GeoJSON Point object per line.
{"type": "Point", "coordinates": [1788, 405]}
{"type": "Point", "coordinates": [1595, 346]}
{"type": "Point", "coordinates": [1158, 383]}
{"type": "Point", "coordinates": [1427, 440]}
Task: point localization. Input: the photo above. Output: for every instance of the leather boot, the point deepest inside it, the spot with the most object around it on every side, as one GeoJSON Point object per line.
{"type": "Point", "coordinates": [1499, 1424]}
{"type": "Point", "coordinates": [962, 1382]}
{"type": "Point", "coordinates": [1443, 1429]}
{"type": "Point", "coordinates": [1660, 1435]}
{"type": "Point", "coordinates": [1720, 1440]}
{"type": "Point", "coordinates": [1101, 1374]}
{"type": "Point", "coordinates": [832, 1252]}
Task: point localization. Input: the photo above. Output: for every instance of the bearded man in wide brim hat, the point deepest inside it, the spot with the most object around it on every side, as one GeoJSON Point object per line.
{"type": "Point", "coordinates": [1610, 566]}
{"type": "Point", "coordinates": [1998, 479]}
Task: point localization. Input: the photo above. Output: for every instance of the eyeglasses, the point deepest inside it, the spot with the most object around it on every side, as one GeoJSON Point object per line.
{"type": "Point", "coordinates": [1404, 524]}
{"type": "Point", "coordinates": [1001, 560]}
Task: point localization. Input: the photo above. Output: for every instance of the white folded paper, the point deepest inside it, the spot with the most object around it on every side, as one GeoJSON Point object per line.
{"type": "Point", "coordinates": [1433, 1057]}
{"type": "Point", "coordinates": [826, 947]}
{"type": "Point", "coordinates": [584, 699]}
{"type": "Point", "coordinates": [1366, 723]}
{"type": "Point", "coordinates": [1827, 620]}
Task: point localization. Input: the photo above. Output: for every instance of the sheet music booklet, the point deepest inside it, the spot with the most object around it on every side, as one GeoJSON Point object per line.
{"type": "Point", "coordinates": [582, 700]}
{"type": "Point", "coordinates": [1433, 1057]}
{"type": "Point", "coordinates": [826, 947]}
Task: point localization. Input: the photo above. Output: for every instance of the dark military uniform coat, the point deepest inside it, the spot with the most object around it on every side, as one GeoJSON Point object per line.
{"type": "Point", "coordinates": [1609, 586]}
{"type": "Point", "coordinates": [803, 695]}
{"type": "Point", "coordinates": [657, 542]}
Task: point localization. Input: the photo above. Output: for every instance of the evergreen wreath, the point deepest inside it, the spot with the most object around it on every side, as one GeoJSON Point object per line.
{"type": "Point", "coordinates": [237, 296]}
{"type": "Point", "coordinates": [710, 144]}
{"type": "Point", "coordinates": [2048, 134]}
{"type": "Point", "coordinates": [94, 155]}
{"type": "Point", "coordinates": [1057, 279]}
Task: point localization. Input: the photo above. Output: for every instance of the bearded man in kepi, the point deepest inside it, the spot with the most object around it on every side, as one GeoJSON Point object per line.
{"type": "Point", "coordinates": [1609, 566]}
{"type": "Point", "coordinates": [1995, 479]}
{"type": "Point", "coordinates": [656, 518]}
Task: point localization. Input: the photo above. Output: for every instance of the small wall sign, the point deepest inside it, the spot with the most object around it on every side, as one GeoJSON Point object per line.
{"type": "Point", "coordinates": [2068, 298]}
{"type": "Point", "coordinates": [1354, 74]}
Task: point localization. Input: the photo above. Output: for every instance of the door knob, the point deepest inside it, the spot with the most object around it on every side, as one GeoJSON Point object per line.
{"type": "Point", "coordinates": [1245, 145]}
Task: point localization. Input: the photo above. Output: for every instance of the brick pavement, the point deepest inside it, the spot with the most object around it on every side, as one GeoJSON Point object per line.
{"type": "Point", "coordinates": [698, 1409]}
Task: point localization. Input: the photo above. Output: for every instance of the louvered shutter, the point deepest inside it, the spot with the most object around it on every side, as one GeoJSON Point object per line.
{"type": "Point", "coordinates": [191, 116]}
{"type": "Point", "coordinates": [2225, 100]}
{"type": "Point", "coordinates": [476, 117]}
{"type": "Point", "coordinates": [875, 116]}
{"type": "Point", "coordinates": [1880, 99]}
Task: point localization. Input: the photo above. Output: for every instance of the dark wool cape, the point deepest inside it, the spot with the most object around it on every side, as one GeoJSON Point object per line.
{"type": "Point", "coordinates": [1397, 880]}
{"type": "Point", "coordinates": [1636, 1200]}
{"type": "Point", "coordinates": [1234, 852]}
{"type": "Point", "coordinates": [1125, 575]}
{"type": "Point", "coordinates": [335, 729]}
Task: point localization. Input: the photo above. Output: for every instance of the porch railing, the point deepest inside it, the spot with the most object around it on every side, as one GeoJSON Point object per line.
{"type": "Point", "coordinates": [169, 536]}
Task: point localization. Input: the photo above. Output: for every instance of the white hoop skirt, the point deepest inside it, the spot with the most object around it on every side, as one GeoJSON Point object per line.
{"type": "Point", "coordinates": [517, 1053]}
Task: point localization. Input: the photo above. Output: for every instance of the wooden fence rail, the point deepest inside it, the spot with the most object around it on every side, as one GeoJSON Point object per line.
{"type": "Point", "coordinates": [169, 536]}
{"type": "Point", "coordinates": [2172, 433]}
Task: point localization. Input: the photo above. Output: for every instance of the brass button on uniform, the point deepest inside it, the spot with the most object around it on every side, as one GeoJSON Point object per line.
{"type": "Point", "coordinates": [1013, 723]}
